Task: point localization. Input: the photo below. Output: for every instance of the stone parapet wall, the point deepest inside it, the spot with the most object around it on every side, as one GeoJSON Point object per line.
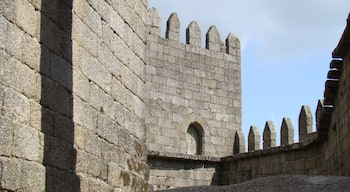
{"type": "Point", "coordinates": [305, 158]}
{"type": "Point", "coordinates": [169, 170]}
{"type": "Point", "coordinates": [187, 84]}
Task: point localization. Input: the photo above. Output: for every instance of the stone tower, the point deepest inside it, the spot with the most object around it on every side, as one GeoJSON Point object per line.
{"type": "Point", "coordinates": [193, 102]}
{"type": "Point", "coordinates": [193, 94]}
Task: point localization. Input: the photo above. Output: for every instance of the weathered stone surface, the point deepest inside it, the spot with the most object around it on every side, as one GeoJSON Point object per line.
{"type": "Point", "coordinates": [185, 79]}
{"type": "Point", "coordinates": [10, 173]}
{"type": "Point", "coordinates": [27, 143]}
{"type": "Point", "coordinates": [78, 104]}
{"type": "Point", "coordinates": [281, 183]}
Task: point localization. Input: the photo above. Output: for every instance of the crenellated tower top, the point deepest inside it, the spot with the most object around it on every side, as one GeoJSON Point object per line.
{"type": "Point", "coordinates": [213, 42]}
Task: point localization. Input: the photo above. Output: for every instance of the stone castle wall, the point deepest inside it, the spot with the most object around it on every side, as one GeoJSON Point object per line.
{"type": "Point", "coordinates": [338, 146]}
{"type": "Point", "coordinates": [169, 170]}
{"type": "Point", "coordinates": [71, 93]}
{"type": "Point", "coordinates": [187, 84]}
{"type": "Point", "coordinates": [87, 85]}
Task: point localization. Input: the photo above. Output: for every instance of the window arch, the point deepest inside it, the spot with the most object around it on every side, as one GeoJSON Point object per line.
{"type": "Point", "coordinates": [194, 139]}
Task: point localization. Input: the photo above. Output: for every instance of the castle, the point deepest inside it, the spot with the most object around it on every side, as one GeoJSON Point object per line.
{"type": "Point", "coordinates": [94, 99]}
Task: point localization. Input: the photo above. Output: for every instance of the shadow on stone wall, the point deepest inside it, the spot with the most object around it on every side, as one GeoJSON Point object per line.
{"type": "Point", "coordinates": [56, 95]}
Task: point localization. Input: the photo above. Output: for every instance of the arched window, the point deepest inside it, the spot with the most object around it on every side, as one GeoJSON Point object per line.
{"type": "Point", "coordinates": [194, 139]}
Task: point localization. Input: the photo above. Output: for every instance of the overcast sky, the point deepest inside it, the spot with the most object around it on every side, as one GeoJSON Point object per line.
{"type": "Point", "coordinates": [286, 49]}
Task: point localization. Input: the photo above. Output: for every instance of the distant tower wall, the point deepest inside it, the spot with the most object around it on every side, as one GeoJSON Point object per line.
{"type": "Point", "coordinates": [188, 84]}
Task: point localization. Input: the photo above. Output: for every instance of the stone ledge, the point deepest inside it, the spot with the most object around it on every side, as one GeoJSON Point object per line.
{"type": "Point", "coordinates": [178, 156]}
{"type": "Point", "coordinates": [309, 142]}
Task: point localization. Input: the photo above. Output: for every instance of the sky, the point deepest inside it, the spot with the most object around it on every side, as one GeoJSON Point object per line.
{"type": "Point", "coordinates": [286, 49]}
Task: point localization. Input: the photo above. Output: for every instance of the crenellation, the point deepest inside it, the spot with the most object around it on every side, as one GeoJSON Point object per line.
{"type": "Point", "coordinates": [305, 122]}
{"type": "Point", "coordinates": [253, 139]}
{"type": "Point", "coordinates": [212, 41]}
{"type": "Point", "coordinates": [232, 45]}
{"type": "Point", "coordinates": [269, 135]}
{"type": "Point", "coordinates": [287, 132]}
{"type": "Point", "coordinates": [239, 143]}
{"type": "Point", "coordinates": [173, 28]}
{"type": "Point", "coordinates": [193, 34]}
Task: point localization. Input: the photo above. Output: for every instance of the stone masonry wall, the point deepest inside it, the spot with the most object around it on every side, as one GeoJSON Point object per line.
{"type": "Point", "coordinates": [173, 171]}
{"type": "Point", "coordinates": [71, 93]}
{"type": "Point", "coordinates": [188, 84]}
{"type": "Point", "coordinates": [337, 150]}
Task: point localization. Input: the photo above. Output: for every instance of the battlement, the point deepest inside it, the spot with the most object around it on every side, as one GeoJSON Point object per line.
{"type": "Point", "coordinates": [269, 133]}
{"type": "Point", "coordinates": [323, 119]}
{"type": "Point", "coordinates": [230, 46]}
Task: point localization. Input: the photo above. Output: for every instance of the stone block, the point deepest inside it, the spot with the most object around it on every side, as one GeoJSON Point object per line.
{"type": "Point", "coordinates": [131, 81]}
{"type": "Point", "coordinates": [113, 153]}
{"type": "Point", "coordinates": [27, 143]}
{"type": "Point", "coordinates": [20, 77]}
{"type": "Point", "coordinates": [108, 60]}
{"type": "Point", "coordinates": [92, 143]}
{"type": "Point", "coordinates": [94, 185]}
{"type": "Point", "coordinates": [33, 176]}
{"type": "Point", "coordinates": [84, 115]}
{"type": "Point", "coordinates": [114, 172]}
{"type": "Point", "coordinates": [90, 164]}
{"type": "Point", "coordinates": [79, 137]}
{"type": "Point", "coordinates": [10, 173]}
{"type": "Point", "coordinates": [104, 9]}
{"type": "Point", "coordinates": [117, 23]}
{"type": "Point", "coordinates": [6, 136]}
{"type": "Point", "coordinates": [27, 17]}
{"type": "Point", "coordinates": [100, 100]}
{"type": "Point", "coordinates": [15, 106]}
{"type": "Point", "coordinates": [57, 179]}
{"type": "Point", "coordinates": [56, 98]}
{"type": "Point", "coordinates": [96, 72]}
{"type": "Point", "coordinates": [81, 85]}
{"type": "Point", "coordinates": [88, 15]}
{"type": "Point", "coordinates": [108, 129]}
{"type": "Point", "coordinates": [11, 37]}
{"type": "Point", "coordinates": [31, 52]}
{"type": "Point", "coordinates": [52, 42]}
{"type": "Point", "coordinates": [61, 72]}
{"type": "Point", "coordinates": [85, 37]}
{"type": "Point", "coordinates": [8, 10]}
{"type": "Point", "coordinates": [58, 153]}
{"type": "Point", "coordinates": [63, 128]}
